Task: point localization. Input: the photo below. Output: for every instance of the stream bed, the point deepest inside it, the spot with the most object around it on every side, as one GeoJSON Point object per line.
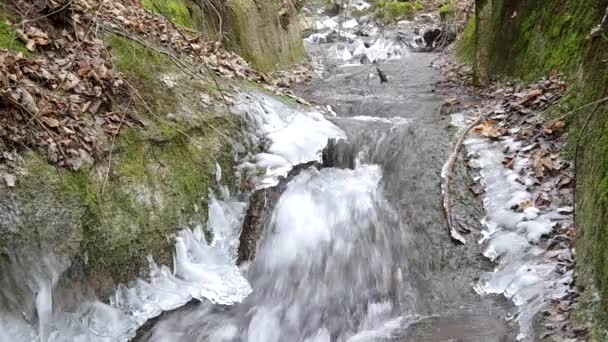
{"type": "Point", "coordinates": [363, 254]}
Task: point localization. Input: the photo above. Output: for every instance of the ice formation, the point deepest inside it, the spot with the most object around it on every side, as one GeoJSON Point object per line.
{"type": "Point", "coordinates": [203, 271]}
{"type": "Point", "coordinates": [294, 135]}
{"type": "Point", "coordinates": [523, 272]}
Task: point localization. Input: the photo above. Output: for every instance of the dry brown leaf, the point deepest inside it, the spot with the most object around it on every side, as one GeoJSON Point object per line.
{"type": "Point", "coordinates": [9, 179]}
{"type": "Point", "coordinates": [543, 200]}
{"type": "Point", "coordinates": [537, 165]}
{"type": "Point", "coordinates": [509, 162]}
{"type": "Point", "coordinates": [30, 45]}
{"type": "Point", "coordinates": [51, 122]}
{"type": "Point", "coordinates": [554, 127]}
{"type": "Point", "coordinates": [531, 95]}
{"type": "Point", "coordinates": [489, 130]}
{"type": "Point", "coordinates": [547, 164]}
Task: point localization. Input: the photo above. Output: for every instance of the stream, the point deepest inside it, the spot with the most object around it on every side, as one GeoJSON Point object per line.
{"type": "Point", "coordinates": [346, 254]}
{"type": "Point", "coordinates": [363, 254]}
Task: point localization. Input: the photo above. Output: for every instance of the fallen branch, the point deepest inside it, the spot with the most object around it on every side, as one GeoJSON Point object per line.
{"type": "Point", "coordinates": [446, 176]}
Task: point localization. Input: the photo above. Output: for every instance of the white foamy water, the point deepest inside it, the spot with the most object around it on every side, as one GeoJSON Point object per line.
{"type": "Point", "coordinates": [293, 135]}
{"type": "Point", "coordinates": [523, 273]}
{"type": "Point", "coordinates": [330, 227]}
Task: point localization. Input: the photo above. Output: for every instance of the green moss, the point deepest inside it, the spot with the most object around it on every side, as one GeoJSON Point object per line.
{"type": "Point", "coordinates": [447, 11]}
{"type": "Point", "coordinates": [465, 50]}
{"type": "Point", "coordinates": [527, 39]}
{"type": "Point", "coordinates": [144, 68]}
{"type": "Point", "coordinates": [137, 60]}
{"type": "Point", "coordinates": [8, 36]}
{"type": "Point", "coordinates": [258, 35]}
{"type": "Point", "coordinates": [152, 190]}
{"type": "Point", "coordinates": [179, 11]}
{"type": "Point", "coordinates": [394, 11]}
{"type": "Point", "coordinates": [355, 13]}
{"type": "Point", "coordinates": [592, 216]}
{"type": "Point", "coordinates": [39, 213]}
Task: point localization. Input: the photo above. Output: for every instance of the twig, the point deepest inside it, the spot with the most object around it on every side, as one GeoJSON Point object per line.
{"type": "Point", "coordinates": [447, 178]}
{"type": "Point", "coordinates": [565, 116]}
{"type": "Point", "coordinates": [110, 157]}
{"type": "Point", "coordinates": [600, 101]}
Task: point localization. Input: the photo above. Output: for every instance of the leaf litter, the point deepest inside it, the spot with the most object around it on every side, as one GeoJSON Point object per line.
{"type": "Point", "coordinates": [513, 112]}
{"type": "Point", "coordinates": [66, 100]}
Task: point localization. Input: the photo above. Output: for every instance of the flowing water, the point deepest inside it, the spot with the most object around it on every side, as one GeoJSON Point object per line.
{"type": "Point", "coordinates": [363, 254]}
{"type": "Point", "coordinates": [357, 254]}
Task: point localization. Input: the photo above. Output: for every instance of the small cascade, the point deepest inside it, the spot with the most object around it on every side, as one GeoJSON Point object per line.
{"type": "Point", "coordinates": [331, 227]}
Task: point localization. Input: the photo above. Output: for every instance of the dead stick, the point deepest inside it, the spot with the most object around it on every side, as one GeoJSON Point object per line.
{"type": "Point", "coordinates": [600, 101]}
{"type": "Point", "coordinates": [447, 178]}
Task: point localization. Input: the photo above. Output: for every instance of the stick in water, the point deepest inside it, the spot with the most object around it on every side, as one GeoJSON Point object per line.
{"type": "Point", "coordinates": [446, 176]}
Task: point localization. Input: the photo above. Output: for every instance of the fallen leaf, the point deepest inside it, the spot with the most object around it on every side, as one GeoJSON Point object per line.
{"type": "Point", "coordinates": [26, 100]}
{"type": "Point", "coordinates": [543, 200]}
{"type": "Point", "coordinates": [509, 162]}
{"type": "Point", "coordinates": [547, 164]}
{"type": "Point", "coordinates": [554, 127]}
{"type": "Point", "coordinates": [531, 95]}
{"type": "Point", "coordinates": [564, 181]}
{"type": "Point", "coordinates": [51, 122]}
{"type": "Point", "coordinates": [489, 130]}
{"type": "Point", "coordinates": [537, 165]}
{"type": "Point", "coordinates": [53, 153]}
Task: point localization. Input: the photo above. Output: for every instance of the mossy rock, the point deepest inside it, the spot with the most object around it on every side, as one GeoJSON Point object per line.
{"type": "Point", "coordinates": [38, 212]}
{"type": "Point", "coordinates": [153, 181]}
{"type": "Point", "coordinates": [261, 36]}
{"type": "Point", "coordinates": [465, 48]}
{"type": "Point", "coordinates": [395, 11]}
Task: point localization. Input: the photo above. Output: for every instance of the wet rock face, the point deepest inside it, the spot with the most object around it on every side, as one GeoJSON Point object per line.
{"type": "Point", "coordinates": [259, 213]}
{"type": "Point", "coordinates": [337, 153]}
{"type": "Point", "coordinates": [340, 154]}
{"type": "Point", "coordinates": [430, 36]}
